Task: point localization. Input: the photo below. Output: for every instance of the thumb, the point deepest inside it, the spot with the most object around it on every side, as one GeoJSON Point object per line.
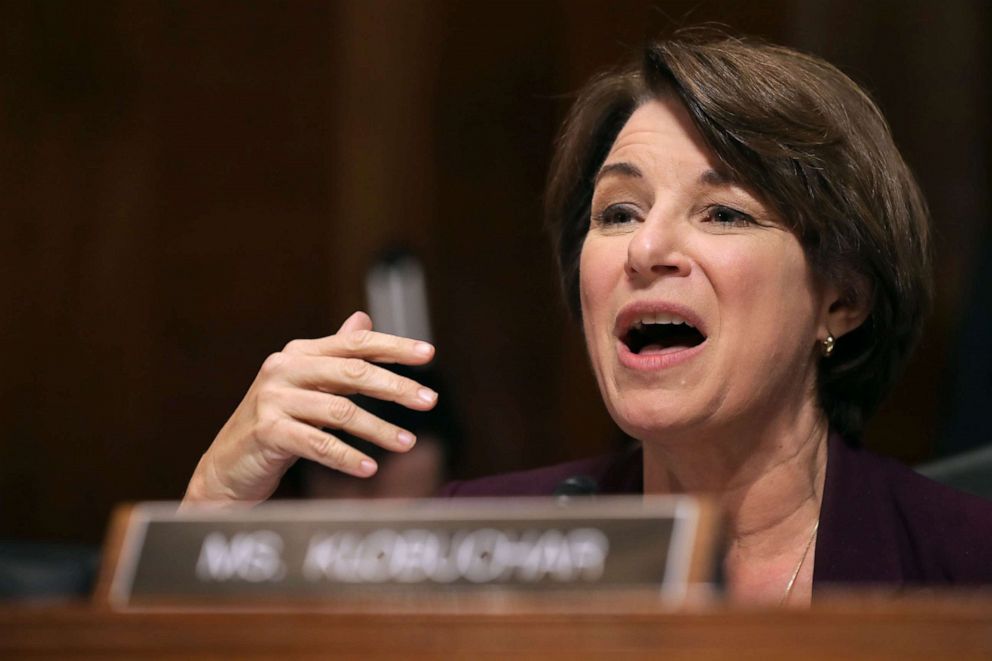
{"type": "Point", "coordinates": [357, 321]}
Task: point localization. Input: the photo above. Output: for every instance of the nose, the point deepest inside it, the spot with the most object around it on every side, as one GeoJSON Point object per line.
{"type": "Point", "coordinates": [657, 248]}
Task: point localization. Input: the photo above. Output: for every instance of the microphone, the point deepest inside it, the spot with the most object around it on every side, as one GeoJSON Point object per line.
{"type": "Point", "coordinates": [574, 486]}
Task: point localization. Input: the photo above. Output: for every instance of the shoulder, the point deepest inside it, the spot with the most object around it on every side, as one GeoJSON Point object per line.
{"type": "Point", "coordinates": [883, 521]}
{"type": "Point", "coordinates": [613, 473]}
{"type": "Point", "coordinates": [951, 531]}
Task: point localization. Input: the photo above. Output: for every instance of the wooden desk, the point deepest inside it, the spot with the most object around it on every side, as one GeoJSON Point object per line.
{"type": "Point", "coordinates": [921, 627]}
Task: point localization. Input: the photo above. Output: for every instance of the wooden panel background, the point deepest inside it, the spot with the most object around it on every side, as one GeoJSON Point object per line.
{"type": "Point", "coordinates": [186, 186]}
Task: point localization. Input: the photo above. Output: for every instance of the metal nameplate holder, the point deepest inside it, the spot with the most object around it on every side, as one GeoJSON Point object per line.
{"type": "Point", "coordinates": [313, 552]}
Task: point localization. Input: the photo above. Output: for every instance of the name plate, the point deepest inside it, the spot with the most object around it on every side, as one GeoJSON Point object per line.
{"type": "Point", "coordinates": [314, 550]}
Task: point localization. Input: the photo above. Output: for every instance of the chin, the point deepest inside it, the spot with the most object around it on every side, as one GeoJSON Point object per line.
{"type": "Point", "coordinates": [646, 422]}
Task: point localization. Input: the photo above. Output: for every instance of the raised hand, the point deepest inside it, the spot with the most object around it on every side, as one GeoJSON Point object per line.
{"type": "Point", "coordinates": [301, 390]}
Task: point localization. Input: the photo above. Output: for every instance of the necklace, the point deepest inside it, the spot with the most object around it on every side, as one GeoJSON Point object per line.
{"type": "Point", "coordinates": [792, 581]}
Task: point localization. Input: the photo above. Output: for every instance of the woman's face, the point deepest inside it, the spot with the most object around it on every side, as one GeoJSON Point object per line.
{"type": "Point", "coordinates": [699, 307]}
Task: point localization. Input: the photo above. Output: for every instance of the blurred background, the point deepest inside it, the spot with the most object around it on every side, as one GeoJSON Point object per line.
{"type": "Point", "coordinates": [186, 186]}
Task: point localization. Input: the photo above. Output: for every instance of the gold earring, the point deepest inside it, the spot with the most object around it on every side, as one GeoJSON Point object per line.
{"type": "Point", "coordinates": [827, 345]}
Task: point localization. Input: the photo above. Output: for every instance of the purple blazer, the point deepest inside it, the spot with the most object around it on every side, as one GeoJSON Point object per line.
{"type": "Point", "coordinates": [880, 522]}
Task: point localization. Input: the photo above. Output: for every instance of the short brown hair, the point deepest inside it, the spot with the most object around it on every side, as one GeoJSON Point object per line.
{"type": "Point", "coordinates": [812, 144]}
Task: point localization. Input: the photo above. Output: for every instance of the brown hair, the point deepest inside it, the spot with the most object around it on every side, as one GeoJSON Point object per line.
{"type": "Point", "coordinates": [809, 142]}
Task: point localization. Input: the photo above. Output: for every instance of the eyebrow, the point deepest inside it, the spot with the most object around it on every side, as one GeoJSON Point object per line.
{"type": "Point", "coordinates": [710, 177]}
{"type": "Point", "coordinates": [622, 169]}
{"type": "Point", "coordinates": [717, 178]}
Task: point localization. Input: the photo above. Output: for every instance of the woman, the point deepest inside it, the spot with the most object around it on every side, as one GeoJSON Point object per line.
{"type": "Point", "coordinates": [748, 254]}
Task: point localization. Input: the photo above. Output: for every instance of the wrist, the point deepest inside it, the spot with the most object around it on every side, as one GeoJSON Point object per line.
{"type": "Point", "coordinates": [204, 488]}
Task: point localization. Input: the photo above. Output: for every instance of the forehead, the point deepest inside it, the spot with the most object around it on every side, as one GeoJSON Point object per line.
{"type": "Point", "coordinates": [661, 129]}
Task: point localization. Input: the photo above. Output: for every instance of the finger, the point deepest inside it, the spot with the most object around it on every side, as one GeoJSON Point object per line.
{"type": "Point", "coordinates": [357, 321]}
{"type": "Point", "coordinates": [324, 410]}
{"type": "Point", "coordinates": [349, 376]}
{"type": "Point", "coordinates": [367, 345]}
{"type": "Point", "coordinates": [311, 443]}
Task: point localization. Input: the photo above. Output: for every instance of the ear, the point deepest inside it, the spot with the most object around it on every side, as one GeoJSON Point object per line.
{"type": "Point", "coordinates": [844, 308]}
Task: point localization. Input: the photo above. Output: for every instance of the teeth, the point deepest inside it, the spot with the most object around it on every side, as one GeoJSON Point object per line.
{"type": "Point", "coordinates": [661, 318]}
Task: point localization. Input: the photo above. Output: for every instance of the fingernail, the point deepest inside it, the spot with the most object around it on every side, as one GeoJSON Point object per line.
{"type": "Point", "coordinates": [427, 395]}
{"type": "Point", "coordinates": [367, 467]}
{"type": "Point", "coordinates": [405, 438]}
{"type": "Point", "coordinates": [423, 349]}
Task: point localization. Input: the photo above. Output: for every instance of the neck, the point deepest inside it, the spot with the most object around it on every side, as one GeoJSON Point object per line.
{"type": "Point", "coordinates": [768, 482]}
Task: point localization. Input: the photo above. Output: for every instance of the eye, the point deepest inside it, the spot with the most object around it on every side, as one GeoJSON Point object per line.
{"type": "Point", "coordinates": [727, 217]}
{"type": "Point", "coordinates": [615, 214]}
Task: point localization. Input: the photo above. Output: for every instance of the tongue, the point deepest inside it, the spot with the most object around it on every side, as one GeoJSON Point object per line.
{"type": "Point", "coordinates": [657, 348]}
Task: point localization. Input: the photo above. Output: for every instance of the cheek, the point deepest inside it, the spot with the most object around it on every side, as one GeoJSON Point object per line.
{"type": "Point", "coordinates": [601, 268]}
{"type": "Point", "coordinates": [768, 290]}
{"type": "Point", "coordinates": [766, 274]}
{"type": "Point", "coordinates": [594, 279]}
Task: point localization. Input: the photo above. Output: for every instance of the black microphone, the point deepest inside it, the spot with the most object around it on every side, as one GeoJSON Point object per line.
{"type": "Point", "coordinates": [574, 486]}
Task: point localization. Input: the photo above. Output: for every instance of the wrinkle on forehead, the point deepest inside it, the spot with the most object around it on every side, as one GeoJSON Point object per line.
{"type": "Point", "coordinates": [665, 122]}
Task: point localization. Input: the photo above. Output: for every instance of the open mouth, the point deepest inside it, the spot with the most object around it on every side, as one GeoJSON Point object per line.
{"type": "Point", "coordinates": [661, 332]}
